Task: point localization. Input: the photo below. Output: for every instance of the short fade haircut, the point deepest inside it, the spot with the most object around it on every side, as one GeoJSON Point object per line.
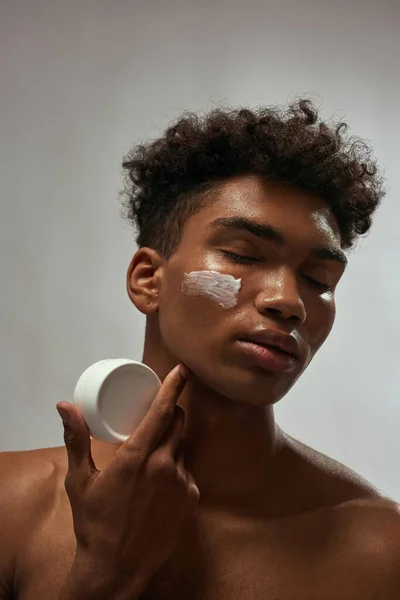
{"type": "Point", "coordinates": [167, 179]}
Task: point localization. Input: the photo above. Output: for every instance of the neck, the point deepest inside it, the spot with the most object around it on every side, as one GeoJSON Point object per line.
{"type": "Point", "coordinates": [234, 450]}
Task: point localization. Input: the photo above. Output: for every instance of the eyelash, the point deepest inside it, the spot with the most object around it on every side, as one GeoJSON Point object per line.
{"type": "Point", "coordinates": [247, 260]}
{"type": "Point", "coordinates": [239, 258]}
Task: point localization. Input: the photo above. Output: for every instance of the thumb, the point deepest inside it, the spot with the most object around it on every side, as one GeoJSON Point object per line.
{"type": "Point", "coordinates": [77, 442]}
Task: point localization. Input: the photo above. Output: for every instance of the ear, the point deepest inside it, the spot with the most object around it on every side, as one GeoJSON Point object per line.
{"type": "Point", "coordinates": [143, 280]}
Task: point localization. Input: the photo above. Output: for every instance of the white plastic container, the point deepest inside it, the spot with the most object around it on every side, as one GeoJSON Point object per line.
{"type": "Point", "coordinates": [114, 395]}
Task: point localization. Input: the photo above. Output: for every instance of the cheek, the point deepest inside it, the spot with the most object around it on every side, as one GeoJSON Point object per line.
{"type": "Point", "coordinates": [219, 287]}
{"type": "Point", "coordinates": [321, 319]}
{"type": "Point", "coordinates": [188, 328]}
{"type": "Point", "coordinates": [194, 307]}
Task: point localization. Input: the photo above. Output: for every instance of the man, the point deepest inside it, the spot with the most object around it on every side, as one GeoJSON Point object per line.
{"type": "Point", "coordinates": [243, 220]}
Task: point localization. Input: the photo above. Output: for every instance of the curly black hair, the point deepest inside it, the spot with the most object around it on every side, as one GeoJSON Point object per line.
{"type": "Point", "coordinates": [166, 180]}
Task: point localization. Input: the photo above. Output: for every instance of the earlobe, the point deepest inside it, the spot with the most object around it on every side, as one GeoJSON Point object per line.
{"type": "Point", "coordinates": [143, 280]}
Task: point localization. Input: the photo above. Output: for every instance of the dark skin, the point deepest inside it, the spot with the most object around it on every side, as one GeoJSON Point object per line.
{"type": "Point", "coordinates": [276, 519]}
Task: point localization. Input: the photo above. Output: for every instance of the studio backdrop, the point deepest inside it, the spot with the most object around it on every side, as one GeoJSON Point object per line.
{"type": "Point", "coordinates": [81, 83]}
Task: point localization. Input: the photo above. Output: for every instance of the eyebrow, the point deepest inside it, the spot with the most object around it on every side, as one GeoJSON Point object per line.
{"type": "Point", "coordinates": [271, 233]}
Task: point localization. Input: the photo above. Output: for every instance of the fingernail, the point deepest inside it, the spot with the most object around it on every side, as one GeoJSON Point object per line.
{"type": "Point", "coordinates": [184, 371]}
{"type": "Point", "coordinates": [64, 415]}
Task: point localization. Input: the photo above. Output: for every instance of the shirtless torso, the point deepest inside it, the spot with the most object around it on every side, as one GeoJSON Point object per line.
{"type": "Point", "coordinates": [345, 546]}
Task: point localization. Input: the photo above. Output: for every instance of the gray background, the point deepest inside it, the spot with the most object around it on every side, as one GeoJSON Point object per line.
{"type": "Point", "coordinates": [81, 82]}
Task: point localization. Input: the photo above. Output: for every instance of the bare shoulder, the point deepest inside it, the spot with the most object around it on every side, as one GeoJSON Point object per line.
{"type": "Point", "coordinates": [29, 481]}
{"type": "Point", "coordinates": [333, 480]}
{"type": "Point", "coordinates": [370, 529]}
{"type": "Point", "coordinates": [26, 476]}
{"type": "Point", "coordinates": [366, 522]}
{"type": "Point", "coordinates": [374, 524]}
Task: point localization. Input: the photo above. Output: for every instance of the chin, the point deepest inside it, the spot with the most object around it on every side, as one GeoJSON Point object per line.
{"type": "Point", "coordinates": [255, 387]}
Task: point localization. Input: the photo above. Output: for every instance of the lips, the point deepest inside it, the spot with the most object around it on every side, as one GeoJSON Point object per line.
{"type": "Point", "coordinates": [272, 338]}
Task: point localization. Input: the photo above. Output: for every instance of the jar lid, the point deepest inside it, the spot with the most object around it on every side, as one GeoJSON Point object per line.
{"type": "Point", "coordinates": [114, 395]}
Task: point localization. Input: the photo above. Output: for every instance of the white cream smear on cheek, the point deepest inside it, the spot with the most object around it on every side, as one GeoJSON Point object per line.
{"type": "Point", "coordinates": [220, 287]}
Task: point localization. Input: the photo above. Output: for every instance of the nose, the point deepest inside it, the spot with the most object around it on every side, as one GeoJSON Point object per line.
{"type": "Point", "coordinates": [280, 298]}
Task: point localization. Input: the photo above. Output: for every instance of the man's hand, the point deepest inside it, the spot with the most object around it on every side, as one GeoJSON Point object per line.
{"type": "Point", "coordinates": [128, 518]}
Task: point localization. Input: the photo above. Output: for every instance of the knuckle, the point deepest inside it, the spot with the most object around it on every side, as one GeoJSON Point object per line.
{"type": "Point", "coordinates": [132, 454]}
{"type": "Point", "coordinates": [163, 413]}
{"type": "Point", "coordinates": [69, 484]}
{"type": "Point", "coordinates": [193, 492]}
{"type": "Point", "coordinates": [181, 483]}
{"type": "Point", "coordinates": [70, 437]}
{"type": "Point", "coordinates": [163, 466]}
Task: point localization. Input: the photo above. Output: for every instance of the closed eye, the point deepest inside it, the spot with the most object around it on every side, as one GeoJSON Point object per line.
{"type": "Point", "coordinates": [240, 258]}
{"type": "Point", "coordinates": [318, 284]}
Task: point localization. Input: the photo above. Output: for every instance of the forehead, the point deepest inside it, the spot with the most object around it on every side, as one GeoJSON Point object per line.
{"type": "Point", "coordinates": [299, 214]}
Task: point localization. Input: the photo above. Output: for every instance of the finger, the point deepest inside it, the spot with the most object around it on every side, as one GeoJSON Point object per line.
{"type": "Point", "coordinates": [180, 461]}
{"type": "Point", "coordinates": [172, 437]}
{"type": "Point", "coordinates": [192, 485]}
{"type": "Point", "coordinates": [159, 416]}
{"type": "Point", "coordinates": [77, 442]}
